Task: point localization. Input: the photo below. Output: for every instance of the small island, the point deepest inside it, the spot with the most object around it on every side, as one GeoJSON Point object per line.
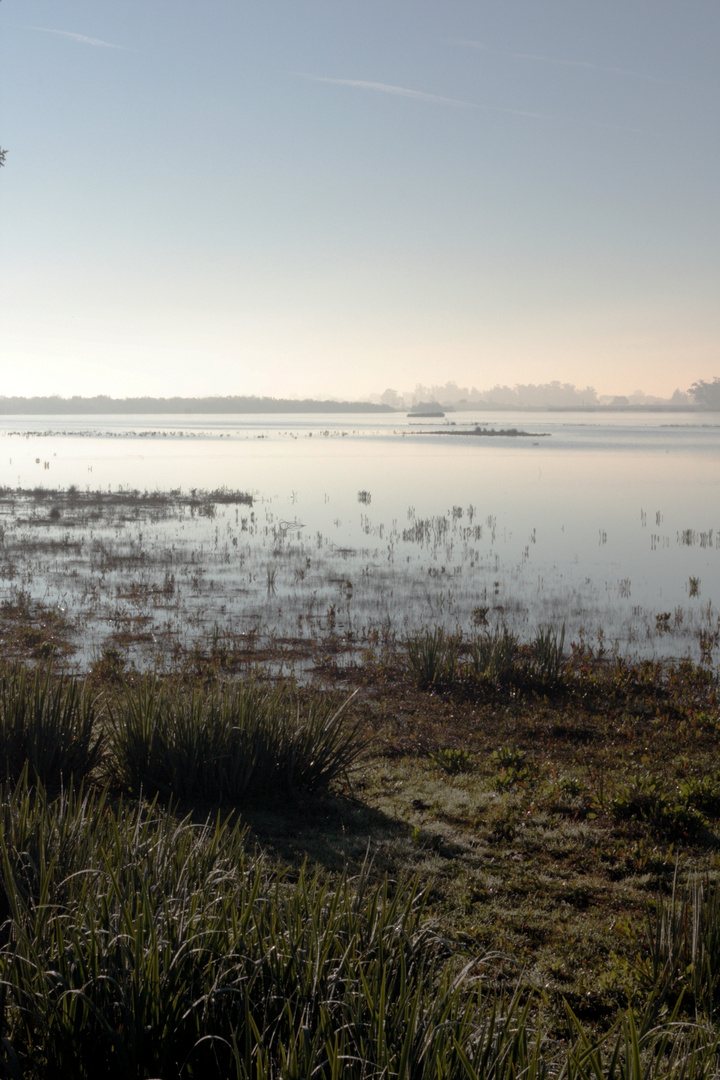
{"type": "Point", "coordinates": [484, 432]}
{"type": "Point", "coordinates": [427, 408]}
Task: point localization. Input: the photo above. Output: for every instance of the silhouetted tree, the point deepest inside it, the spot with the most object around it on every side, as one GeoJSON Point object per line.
{"type": "Point", "coordinates": [2, 156]}
{"type": "Point", "coordinates": [706, 394]}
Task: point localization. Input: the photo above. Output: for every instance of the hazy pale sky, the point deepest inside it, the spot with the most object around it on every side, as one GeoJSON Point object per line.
{"type": "Point", "coordinates": [327, 198]}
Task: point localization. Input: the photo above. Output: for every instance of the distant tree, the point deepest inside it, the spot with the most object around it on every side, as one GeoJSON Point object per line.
{"type": "Point", "coordinates": [706, 394]}
{"type": "Point", "coordinates": [2, 156]}
{"type": "Point", "coordinates": [392, 398]}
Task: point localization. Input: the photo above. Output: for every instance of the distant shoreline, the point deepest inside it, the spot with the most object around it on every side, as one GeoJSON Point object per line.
{"type": "Point", "coordinates": [105, 406]}
{"type": "Point", "coordinates": [108, 406]}
{"type": "Point", "coordinates": [491, 406]}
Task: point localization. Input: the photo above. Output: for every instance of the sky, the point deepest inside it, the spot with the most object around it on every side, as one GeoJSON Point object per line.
{"type": "Point", "coordinates": [331, 197]}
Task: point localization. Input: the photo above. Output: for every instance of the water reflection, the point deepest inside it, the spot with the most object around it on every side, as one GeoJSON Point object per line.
{"type": "Point", "coordinates": [373, 521]}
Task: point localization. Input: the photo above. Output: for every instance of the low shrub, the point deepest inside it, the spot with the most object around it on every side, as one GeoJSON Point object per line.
{"type": "Point", "coordinates": [702, 794]}
{"type": "Point", "coordinates": [453, 760]}
{"type": "Point", "coordinates": [645, 799]}
{"type": "Point", "coordinates": [513, 769]}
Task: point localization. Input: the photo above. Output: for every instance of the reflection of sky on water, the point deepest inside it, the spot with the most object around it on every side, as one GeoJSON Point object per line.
{"type": "Point", "coordinates": [602, 523]}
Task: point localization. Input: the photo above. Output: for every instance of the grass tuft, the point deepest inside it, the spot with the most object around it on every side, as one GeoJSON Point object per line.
{"type": "Point", "coordinates": [432, 656]}
{"type": "Point", "coordinates": [231, 745]}
{"type": "Point", "coordinates": [548, 656]}
{"type": "Point", "coordinates": [682, 963]}
{"type": "Point", "coordinates": [47, 726]}
{"type": "Point", "coordinates": [156, 947]}
{"type": "Point", "coordinates": [495, 656]}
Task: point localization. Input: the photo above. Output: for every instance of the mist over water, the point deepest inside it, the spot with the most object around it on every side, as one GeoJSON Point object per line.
{"type": "Point", "coordinates": [610, 524]}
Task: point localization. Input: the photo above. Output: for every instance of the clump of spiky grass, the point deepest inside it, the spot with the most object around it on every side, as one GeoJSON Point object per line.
{"type": "Point", "coordinates": [548, 656]}
{"type": "Point", "coordinates": [432, 656]}
{"type": "Point", "coordinates": [495, 656]}
{"type": "Point", "coordinates": [242, 742]}
{"type": "Point", "coordinates": [47, 725]}
{"type": "Point", "coordinates": [498, 658]}
{"type": "Point", "coordinates": [683, 959]}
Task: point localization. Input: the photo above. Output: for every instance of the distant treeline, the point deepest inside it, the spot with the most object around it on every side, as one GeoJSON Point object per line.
{"type": "Point", "coordinates": [555, 396]}
{"type": "Point", "coordinates": [12, 406]}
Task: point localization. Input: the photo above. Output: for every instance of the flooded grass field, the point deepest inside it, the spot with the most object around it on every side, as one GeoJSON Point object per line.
{"type": "Point", "coordinates": [307, 544]}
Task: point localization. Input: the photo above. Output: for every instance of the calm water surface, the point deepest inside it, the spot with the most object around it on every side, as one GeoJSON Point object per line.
{"type": "Point", "coordinates": [602, 521]}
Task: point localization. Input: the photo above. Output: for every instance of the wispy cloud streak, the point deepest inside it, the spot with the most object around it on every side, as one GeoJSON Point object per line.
{"type": "Point", "coordinates": [458, 103]}
{"type": "Point", "coordinates": [76, 37]}
{"type": "Point", "coordinates": [420, 95]}
{"type": "Point", "coordinates": [538, 58]}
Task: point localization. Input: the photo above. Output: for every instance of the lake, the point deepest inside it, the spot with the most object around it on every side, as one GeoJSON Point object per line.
{"type": "Point", "coordinates": [367, 524]}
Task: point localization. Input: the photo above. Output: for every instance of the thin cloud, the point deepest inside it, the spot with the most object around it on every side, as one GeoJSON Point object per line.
{"type": "Point", "coordinates": [420, 95]}
{"type": "Point", "coordinates": [76, 37]}
{"type": "Point", "coordinates": [586, 64]}
{"type": "Point", "coordinates": [437, 99]}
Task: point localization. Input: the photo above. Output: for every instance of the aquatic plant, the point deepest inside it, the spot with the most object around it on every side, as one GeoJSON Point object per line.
{"type": "Point", "coordinates": [271, 576]}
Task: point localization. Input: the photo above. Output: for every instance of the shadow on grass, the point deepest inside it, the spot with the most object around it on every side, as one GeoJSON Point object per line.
{"type": "Point", "coordinates": [332, 831]}
{"type": "Point", "coordinates": [336, 833]}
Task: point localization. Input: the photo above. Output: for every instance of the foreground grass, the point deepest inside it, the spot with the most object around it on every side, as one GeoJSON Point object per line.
{"type": "Point", "coordinates": [511, 844]}
{"type": "Point", "coordinates": [137, 944]}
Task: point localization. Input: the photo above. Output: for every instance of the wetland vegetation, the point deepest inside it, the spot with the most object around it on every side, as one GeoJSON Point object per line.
{"type": "Point", "coordinates": [458, 858]}
{"type": "Point", "coordinates": [277, 807]}
{"type": "Point", "coordinates": [159, 574]}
